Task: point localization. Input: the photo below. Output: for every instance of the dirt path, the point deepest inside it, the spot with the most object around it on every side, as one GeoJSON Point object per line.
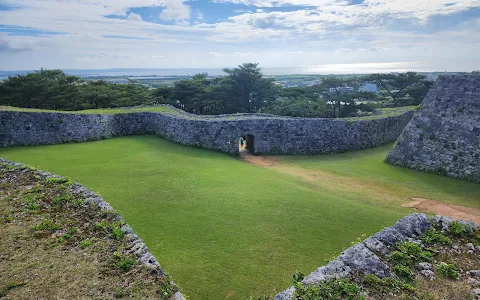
{"type": "Point", "coordinates": [446, 209]}
{"type": "Point", "coordinates": [347, 183]}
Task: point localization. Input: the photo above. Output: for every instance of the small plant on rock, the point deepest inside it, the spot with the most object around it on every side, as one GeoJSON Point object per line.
{"type": "Point", "coordinates": [448, 270]}
{"type": "Point", "coordinates": [117, 233]}
{"type": "Point", "coordinates": [432, 236]}
{"type": "Point", "coordinates": [47, 225]}
{"type": "Point", "coordinates": [387, 284]}
{"type": "Point", "coordinates": [85, 243]}
{"type": "Point", "coordinates": [458, 229]}
{"type": "Point", "coordinates": [332, 289]}
{"type": "Point", "coordinates": [404, 272]}
{"type": "Point", "coordinates": [124, 263]}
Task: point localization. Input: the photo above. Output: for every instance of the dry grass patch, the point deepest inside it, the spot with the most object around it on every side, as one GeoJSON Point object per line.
{"type": "Point", "coordinates": [56, 245]}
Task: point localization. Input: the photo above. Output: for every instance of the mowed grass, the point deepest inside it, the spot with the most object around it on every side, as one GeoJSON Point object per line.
{"type": "Point", "coordinates": [227, 229]}
{"type": "Point", "coordinates": [366, 172]}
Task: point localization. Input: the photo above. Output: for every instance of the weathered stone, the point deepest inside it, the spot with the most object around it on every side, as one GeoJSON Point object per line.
{"type": "Point", "coordinates": [442, 221]}
{"type": "Point", "coordinates": [178, 296]}
{"type": "Point", "coordinates": [272, 134]}
{"type": "Point", "coordinates": [286, 295]}
{"type": "Point", "coordinates": [443, 137]}
{"type": "Point", "coordinates": [424, 266]}
{"type": "Point", "coordinates": [334, 269]}
{"type": "Point", "coordinates": [390, 236]}
{"type": "Point", "coordinates": [470, 246]}
{"type": "Point", "coordinates": [362, 260]}
{"type": "Point", "coordinates": [413, 225]}
{"type": "Point", "coordinates": [428, 273]}
{"type": "Point", "coordinates": [375, 245]}
{"type": "Point", "coordinates": [476, 292]}
{"type": "Point", "coordinates": [474, 273]}
{"type": "Point", "coordinates": [472, 281]}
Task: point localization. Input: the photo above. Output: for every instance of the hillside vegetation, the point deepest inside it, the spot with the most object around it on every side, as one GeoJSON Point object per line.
{"type": "Point", "coordinates": [57, 245]}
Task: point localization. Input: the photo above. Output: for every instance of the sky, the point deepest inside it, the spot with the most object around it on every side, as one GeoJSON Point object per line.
{"type": "Point", "coordinates": [335, 36]}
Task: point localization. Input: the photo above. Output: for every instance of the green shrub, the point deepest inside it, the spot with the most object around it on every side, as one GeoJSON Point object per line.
{"type": "Point", "coordinates": [332, 289]}
{"type": "Point", "coordinates": [297, 277]}
{"type": "Point", "coordinates": [448, 270]}
{"type": "Point", "coordinates": [117, 233]}
{"type": "Point", "coordinates": [30, 202]}
{"type": "Point", "coordinates": [408, 253]}
{"type": "Point", "coordinates": [85, 243]}
{"type": "Point", "coordinates": [404, 272]}
{"type": "Point", "coordinates": [102, 225]}
{"type": "Point", "coordinates": [125, 263]}
{"type": "Point", "coordinates": [432, 236]}
{"type": "Point", "coordinates": [459, 229]}
{"type": "Point", "coordinates": [400, 258]}
{"type": "Point", "coordinates": [387, 284]}
{"type": "Point", "coordinates": [47, 225]}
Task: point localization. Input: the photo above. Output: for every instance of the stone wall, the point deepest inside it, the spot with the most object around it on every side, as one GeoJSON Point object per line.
{"type": "Point", "coordinates": [444, 136]}
{"type": "Point", "coordinates": [370, 256]}
{"type": "Point", "coordinates": [272, 135]}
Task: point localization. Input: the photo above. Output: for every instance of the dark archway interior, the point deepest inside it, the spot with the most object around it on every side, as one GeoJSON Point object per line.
{"type": "Point", "coordinates": [248, 143]}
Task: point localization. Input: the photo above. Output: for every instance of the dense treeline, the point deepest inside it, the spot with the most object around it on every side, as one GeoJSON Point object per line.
{"type": "Point", "coordinates": [242, 90]}
{"type": "Point", "coordinates": [52, 89]}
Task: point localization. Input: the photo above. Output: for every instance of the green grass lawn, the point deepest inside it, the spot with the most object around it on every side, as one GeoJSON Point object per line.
{"type": "Point", "coordinates": [227, 229]}
{"type": "Point", "coordinates": [367, 168]}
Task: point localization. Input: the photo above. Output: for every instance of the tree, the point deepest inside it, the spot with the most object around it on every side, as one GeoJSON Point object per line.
{"type": "Point", "coordinates": [249, 90]}
{"type": "Point", "coordinates": [396, 85]}
{"type": "Point", "coordinates": [333, 88]}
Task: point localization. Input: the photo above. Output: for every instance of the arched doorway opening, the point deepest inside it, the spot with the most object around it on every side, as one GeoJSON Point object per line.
{"type": "Point", "coordinates": [246, 144]}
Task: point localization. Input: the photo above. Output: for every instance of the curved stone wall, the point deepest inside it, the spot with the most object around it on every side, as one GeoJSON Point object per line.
{"type": "Point", "coordinates": [272, 135]}
{"type": "Point", "coordinates": [444, 136]}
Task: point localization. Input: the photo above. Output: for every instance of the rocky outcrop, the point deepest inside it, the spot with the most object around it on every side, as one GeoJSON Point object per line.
{"type": "Point", "coordinates": [444, 136]}
{"type": "Point", "coordinates": [368, 256]}
{"type": "Point", "coordinates": [272, 135]}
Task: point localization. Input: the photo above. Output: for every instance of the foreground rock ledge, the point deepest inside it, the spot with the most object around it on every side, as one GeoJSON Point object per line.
{"type": "Point", "coordinates": [366, 257]}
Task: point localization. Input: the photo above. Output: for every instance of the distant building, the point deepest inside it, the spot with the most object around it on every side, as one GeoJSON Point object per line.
{"type": "Point", "coordinates": [368, 87]}
{"type": "Point", "coordinates": [341, 89]}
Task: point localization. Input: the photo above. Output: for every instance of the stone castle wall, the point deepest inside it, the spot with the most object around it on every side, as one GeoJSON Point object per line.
{"type": "Point", "coordinates": [444, 136]}
{"type": "Point", "coordinates": [272, 135]}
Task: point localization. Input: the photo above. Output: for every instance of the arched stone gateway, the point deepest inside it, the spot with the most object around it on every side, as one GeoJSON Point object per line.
{"type": "Point", "coordinates": [247, 144]}
{"type": "Point", "coordinates": [268, 134]}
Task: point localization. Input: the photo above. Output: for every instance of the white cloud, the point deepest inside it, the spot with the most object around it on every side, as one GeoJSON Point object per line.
{"type": "Point", "coordinates": [216, 54]}
{"type": "Point", "coordinates": [344, 50]}
{"type": "Point", "coordinates": [175, 10]}
{"type": "Point", "coordinates": [134, 17]}
{"type": "Point", "coordinates": [264, 37]}
{"type": "Point", "coordinates": [259, 10]}
{"type": "Point", "coordinates": [243, 54]}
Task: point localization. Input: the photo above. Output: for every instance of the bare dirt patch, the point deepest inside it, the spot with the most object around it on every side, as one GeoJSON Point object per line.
{"type": "Point", "coordinates": [445, 209]}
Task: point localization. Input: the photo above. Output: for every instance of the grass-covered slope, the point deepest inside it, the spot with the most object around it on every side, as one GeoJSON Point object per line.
{"type": "Point", "coordinates": [227, 229]}
{"type": "Point", "coordinates": [365, 172]}
{"type": "Point", "coordinates": [56, 244]}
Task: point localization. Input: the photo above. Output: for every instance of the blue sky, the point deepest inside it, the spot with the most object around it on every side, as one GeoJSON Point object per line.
{"type": "Point", "coordinates": [328, 35]}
